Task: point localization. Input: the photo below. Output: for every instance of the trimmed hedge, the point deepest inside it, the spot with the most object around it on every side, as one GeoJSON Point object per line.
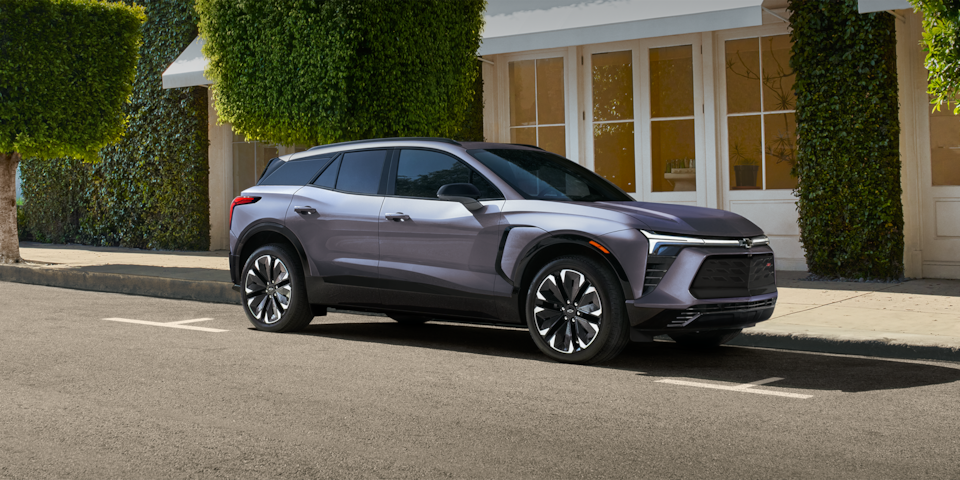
{"type": "Point", "coordinates": [320, 71]}
{"type": "Point", "coordinates": [848, 158]}
{"type": "Point", "coordinates": [66, 69]}
{"type": "Point", "coordinates": [150, 189]}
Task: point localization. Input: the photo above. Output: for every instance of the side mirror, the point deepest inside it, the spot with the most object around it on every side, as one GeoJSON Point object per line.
{"type": "Point", "coordinates": [465, 193]}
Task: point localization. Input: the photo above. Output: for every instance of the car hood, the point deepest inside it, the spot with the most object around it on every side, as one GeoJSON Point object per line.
{"type": "Point", "coordinates": [684, 219]}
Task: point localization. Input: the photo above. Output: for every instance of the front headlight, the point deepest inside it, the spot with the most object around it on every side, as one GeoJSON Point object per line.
{"type": "Point", "coordinates": [657, 240]}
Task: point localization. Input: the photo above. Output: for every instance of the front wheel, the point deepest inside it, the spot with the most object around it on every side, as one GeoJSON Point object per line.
{"type": "Point", "coordinates": [576, 311]}
{"type": "Point", "coordinates": [273, 292]}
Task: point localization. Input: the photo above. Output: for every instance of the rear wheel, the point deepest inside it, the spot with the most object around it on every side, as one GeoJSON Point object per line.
{"type": "Point", "coordinates": [273, 292]}
{"type": "Point", "coordinates": [711, 339]}
{"type": "Point", "coordinates": [576, 311]}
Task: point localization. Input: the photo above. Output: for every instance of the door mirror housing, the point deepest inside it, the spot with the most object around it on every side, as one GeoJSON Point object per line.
{"type": "Point", "coordinates": [465, 193]}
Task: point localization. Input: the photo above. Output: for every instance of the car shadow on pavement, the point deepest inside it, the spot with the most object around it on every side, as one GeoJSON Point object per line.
{"type": "Point", "coordinates": [664, 359]}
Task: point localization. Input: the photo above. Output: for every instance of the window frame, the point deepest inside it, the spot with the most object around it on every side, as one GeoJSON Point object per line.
{"type": "Point", "coordinates": [381, 190]}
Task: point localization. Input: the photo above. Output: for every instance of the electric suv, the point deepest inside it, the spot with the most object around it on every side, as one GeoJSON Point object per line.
{"type": "Point", "coordinates": [432, 229]}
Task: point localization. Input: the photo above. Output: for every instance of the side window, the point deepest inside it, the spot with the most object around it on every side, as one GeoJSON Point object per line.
{"type": "Point", "coordinates": [360, 172]}
{"type": "Point", "coordinates": [420, 173]}
{"type": "Point", "coordinates": [329, 176]}
{"type": "Point", "coordinates": [295, 172]}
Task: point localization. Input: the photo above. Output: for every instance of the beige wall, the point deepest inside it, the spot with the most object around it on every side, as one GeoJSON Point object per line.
{"type": "Point", "coordinates": [221, 178]}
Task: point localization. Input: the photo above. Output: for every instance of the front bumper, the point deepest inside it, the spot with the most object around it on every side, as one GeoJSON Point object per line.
{"type": "Point", "coordinates": [680, 303]}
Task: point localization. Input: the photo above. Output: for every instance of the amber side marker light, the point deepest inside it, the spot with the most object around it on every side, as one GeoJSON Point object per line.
{"type": "Point", "coordinates": [595, 244]}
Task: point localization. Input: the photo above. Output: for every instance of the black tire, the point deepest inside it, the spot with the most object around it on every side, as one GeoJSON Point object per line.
{"type": "Point", "coordinates": [711, 339]}
{"type": "Point", "coordinates": [273, 291]}
{"type": "Point", "coordinates": [408, 320]}
{"type": "Point", "coordinates": [561, 320]}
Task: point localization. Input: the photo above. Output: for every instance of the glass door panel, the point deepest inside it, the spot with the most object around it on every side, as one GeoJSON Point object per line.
{"type": "Point", "coordinates": [537, 104]}
{"type": "Point", "coordinates": [613, 119]}
{"type": "Point", "coordinates": [945, 147]}
{"type": "Point", "coordinates": [672, 124]}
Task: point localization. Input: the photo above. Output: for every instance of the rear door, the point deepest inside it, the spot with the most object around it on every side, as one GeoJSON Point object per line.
{"type": "Point", "coordinates": [336, 218]}
{"type": "Point", "coordinates": [436, 256]}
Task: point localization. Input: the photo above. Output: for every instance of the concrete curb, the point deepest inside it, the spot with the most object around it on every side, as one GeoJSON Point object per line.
{"type": "Point", "coordinates": [201, 291]}
{"type": "Point", "coordinates": [869, 347]}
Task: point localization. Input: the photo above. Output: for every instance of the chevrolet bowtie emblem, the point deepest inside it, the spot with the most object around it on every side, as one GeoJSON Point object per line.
{"type": "Point", "coordinates": [746, 242]}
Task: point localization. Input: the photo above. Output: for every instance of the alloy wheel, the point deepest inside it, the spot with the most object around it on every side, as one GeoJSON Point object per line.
{"type": "Point", "coordinates": [267, 288]}
{"type": "Point", "coordinates": [568, 311]}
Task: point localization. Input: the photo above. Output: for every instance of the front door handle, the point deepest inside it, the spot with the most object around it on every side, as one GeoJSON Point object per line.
{"type": "Point", "coordinates": [398, 217]}
{"type": "Point", "coordinates": [308, 210]}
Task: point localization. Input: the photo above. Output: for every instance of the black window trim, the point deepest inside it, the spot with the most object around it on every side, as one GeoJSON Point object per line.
{"type": "Point", "coordinates": [395, 165]}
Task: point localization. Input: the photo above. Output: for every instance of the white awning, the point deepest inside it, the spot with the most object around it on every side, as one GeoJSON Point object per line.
{"type": "Point", "coordinates": [187, 69]}
{"type": "Point", "coordinates": [520, 25]}
{"type": "Point", "coordinates": [868, 6]}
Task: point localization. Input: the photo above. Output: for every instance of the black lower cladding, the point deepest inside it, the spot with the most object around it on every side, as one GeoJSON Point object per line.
{"type": "Point", "coordinates": [716, 316]}
{"type": "Point", "coordinates": [728, 276]}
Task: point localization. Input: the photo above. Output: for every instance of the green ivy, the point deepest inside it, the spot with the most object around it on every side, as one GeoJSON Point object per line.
{"type": "Point", "coordinates": [150, 189]}
{"type": "Point", "coordinates": [848, 158]}
{"type": "Point", "coordinates": [941, 41]}
{"type": "Point", "coordinates": [320, 71]}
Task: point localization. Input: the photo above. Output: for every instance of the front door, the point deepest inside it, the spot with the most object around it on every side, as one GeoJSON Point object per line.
{"type": "Point", "coordinates": [941, 197]}
{"type": "Point", "coordinates": [436, 256]}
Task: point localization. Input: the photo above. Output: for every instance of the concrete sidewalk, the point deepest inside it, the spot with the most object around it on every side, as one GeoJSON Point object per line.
{"type": "Point", "coordinates": [915, 319]}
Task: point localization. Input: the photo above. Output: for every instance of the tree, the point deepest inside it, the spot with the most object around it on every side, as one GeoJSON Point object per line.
{"type": "Point", "coordinates": [941, 40]}
{"type": "Point", "coordinates": [321, 71]}
{"type": "Point", "coordinates": [66, 69]}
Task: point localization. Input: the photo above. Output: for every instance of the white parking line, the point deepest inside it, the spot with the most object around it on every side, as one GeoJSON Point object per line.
{"type": "Point", "coordinates": [746, 387]}
{"type": "Point", "coordinates": [178, 324]}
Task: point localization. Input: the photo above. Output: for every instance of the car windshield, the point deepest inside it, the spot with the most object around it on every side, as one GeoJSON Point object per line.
{"type": "Point", "coordinates": [539, 175]}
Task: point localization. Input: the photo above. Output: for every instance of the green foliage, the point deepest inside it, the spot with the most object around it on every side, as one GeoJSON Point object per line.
{"type": "Point", "coordinates": [848, 160]}
{"type": "Point", "coordinates": [150, 189]}
{"type": "Point", "coordinates": [941, 41]}
{"type": "Point", "coordinates": [471, 130]}
{"type": "Point", "coordinates": [321, 71]}
{"type": "Point", "coordinates": [66, 70]}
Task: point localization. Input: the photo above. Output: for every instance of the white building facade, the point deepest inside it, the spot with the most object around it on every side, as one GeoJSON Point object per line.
{"type": "Point", "coordinates": [686, 102]}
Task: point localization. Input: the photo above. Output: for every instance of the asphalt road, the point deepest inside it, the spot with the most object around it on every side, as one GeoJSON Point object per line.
{"type": "Point", "coordinates": [358, 396]}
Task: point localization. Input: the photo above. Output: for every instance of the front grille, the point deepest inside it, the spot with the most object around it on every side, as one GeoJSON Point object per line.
{"type": "Point", "coordinates": [657, 266]}
{"type": "Point", "coordinates": [735, 276]}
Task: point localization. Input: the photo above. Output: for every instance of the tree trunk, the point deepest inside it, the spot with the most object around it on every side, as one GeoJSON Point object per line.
{"type": "Point", "coordinates": [9, 240]}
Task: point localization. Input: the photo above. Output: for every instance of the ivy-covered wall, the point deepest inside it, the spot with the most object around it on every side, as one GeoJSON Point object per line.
{"type": "Point", "coordinates": [150, 189]}
{"type": "Point", "coordinates": [848, 148]}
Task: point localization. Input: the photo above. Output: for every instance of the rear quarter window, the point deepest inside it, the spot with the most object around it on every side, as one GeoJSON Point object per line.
{"type": "Point", "coordinates": [296, 172]}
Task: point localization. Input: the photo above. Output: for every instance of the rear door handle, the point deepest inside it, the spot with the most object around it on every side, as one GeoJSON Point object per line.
{"type": "Point", "coordinates": [308, 210]}
{"type": "Point", "coordinates": [398, 217]}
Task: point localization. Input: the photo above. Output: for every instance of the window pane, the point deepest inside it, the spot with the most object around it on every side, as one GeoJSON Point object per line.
{"type": "Point", "coordinates": [674, 154]}
{"type": "Point", "coordinates": [329, 176]}
{"type": "Point", "coordinates": [550, 91]}
{"type": "Point", "coordinates": [671, 81]}
{"type": "Point", "coordinates": [554, 139]}
{"type": "Point", "coordinates": [613, 86]}
{"type": "Point", "coordinates": [526, 136]}
{"type": "Point", "coordinates": [420, 173]}
{"type": "Point", "coordinates": [522, 93]}
{"type": "Point", "coordinates": [296, 172]}
{"type": "Point", "coordinates": [613, 154]}
{"type": "Point", "coordinates": [545, 176]}
{"type": "Point", "coordinates": [778, 77]}
{"type": "Point", "coordinates": [945, 147]}
{"type": "Point", "coordinates": [743, 75]}
{"type": "Point", "coordinates": [743, 134]}
{"type": "Point", "coordinates": [361, 172]}
{"type": "Point", "coordinates": [780, 146]}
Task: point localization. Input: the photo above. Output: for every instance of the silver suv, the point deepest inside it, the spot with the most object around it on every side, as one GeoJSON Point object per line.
{"type": "Point", "coordinates": [432, 229]}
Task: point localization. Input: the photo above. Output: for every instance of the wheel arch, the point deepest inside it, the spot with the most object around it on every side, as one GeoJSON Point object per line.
{"type": "Point", "coordinates": [549, 248]}
{"type": "Point", "coordinates": [266, 233]}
